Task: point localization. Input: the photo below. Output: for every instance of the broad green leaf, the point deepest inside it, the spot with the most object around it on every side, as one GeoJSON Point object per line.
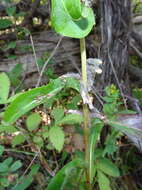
{"type": "Point", "coordinates": [33, 121]}
{"type": "Point", "coordinates": [4, 87]}
{"type": "Point", "coordinates": [30, 99]}
{"type": "Point", "coordinates": [38, 140]}
{"type": "Point", "coordinates": [71, 119]}
{"type": "Point", "coordinates": [15, 166]}
{"type": "Point", "coordinates": [57, 137]}
{"type": "Point", "coordinates": [18, 139]}
{"type": "Point", "coordinates": [73, 8]}
{"type": "Point", "coordinates": [103, 180]}
{"type": "Point", "coordinates": [12, 98]}
{"type": "Point", "coordinates": [5, 23]}
{"type": "Point", "coordinates": [57, 181]}
{"type": "Point", "coordinates": [73, 83]}
{"type": "Point", "coordinates": [3, 167]}
{"type": "Point", "coordinates": [68, 22]}
{"type": "Point", "coordinates": [8, 129]}
{"type": "Point", "coordinates": [1, 149]}
{"type": "Point", "coordinates": [108, 167]}
{"type": "Point", "coordinates": [58, 114]}
{"type": "Point", "coordinates": [8, 161]}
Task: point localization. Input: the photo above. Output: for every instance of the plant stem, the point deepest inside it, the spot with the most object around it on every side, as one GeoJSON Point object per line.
{"type": "Point", "coordinates": [85, 110]}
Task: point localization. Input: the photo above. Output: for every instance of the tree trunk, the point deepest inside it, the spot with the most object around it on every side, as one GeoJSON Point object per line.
{"type": "Point", "coordinates": [114, 49]}
{"type": "Point", "coordinates": [115, 30]}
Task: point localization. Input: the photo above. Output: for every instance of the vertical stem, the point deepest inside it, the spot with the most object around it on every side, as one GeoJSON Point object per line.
{"type": "Point", "coordinates": [85, 110]}
{"type": "Point", "coordinates": [83, 61]}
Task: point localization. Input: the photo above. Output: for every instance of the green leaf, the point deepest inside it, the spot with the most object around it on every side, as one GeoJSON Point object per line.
{"type": "Point", "coordinates": [16, 70]}
{"type": "Point", "coordinates": [4, 87]}
{"type": "Point", "coordinates": [109, 109]}
{"type": "Point", "coordinates": [11, 11]}
{"type": "Point", "coordinates": [45, 132]}
{"type": "Point", "coordinates": [57, 181]}
{"type": "Point", "coordinates": [97, 126]}
{"type": "Point", "coordinates": [12, 98]}
{"type": "Point", "coordinates": [3, 167]}
{"type": "Point", "coordinates": [72, 83]}
{"type": "Point", "coordinates": [98, 152]}
{"type": "Point", "coordinates": [124, 128]}
{"type": "Point", "coordinates": [68, 18]}
{"type": "Point", "coordinates": [4, 182]}
{"type": "Point", "coordinates": [34, 169]}
{"type": "Point", "coordinates": [110, 143]}
{"type": "Point", "coordinates": [1, 149]}
{"type": "Point", "coordinates": [11, 45]}
{"type": "Point", "coordinates": [30, 99]}
{"type": "Point", "coordinates": [108, 167]}
{"type": "Point", "coordinates": [108, 99]}
{"type": "Point", "coordinates": [56, 136]}
{"type": "Point", "coordinates": [104, 183]}
{"type": "Point", "coordinates": [18, 139]}
{"type": "Point", "coordinates": [15, 166]}
{"type": "Point", "coordinates": [58, 114]}
{"type": "Point", "coordinates": [11, 57]}
{"type": "Point", "coordinates": [33, 121]}
{"type": "Point", "coordinates": [73, 8]}
{"type": "Point", "coordinates": [8, 129]}
{"type": "Point", "coordinates": [71, 119]}
{"type": "Point", "coordinates": [74, 102]}
{"type": "Point", "coordinates": [5, 23]}
{"type": "Point", "coordinates": [38, 140]}
{"type": "Point", "coordinates": [8, 161]}
{"type": "Point", "coordinates": [24, 183]}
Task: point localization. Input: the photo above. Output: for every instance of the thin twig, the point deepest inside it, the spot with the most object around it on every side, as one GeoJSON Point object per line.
{"type": "Point", "coordinates": [18, 151]}
{"type": "Point", "coordinates": [45, 64]}
{"type": "Point", "coordinates": [35, 57]}
{"type": "Point", "coordinates": [31, 163]}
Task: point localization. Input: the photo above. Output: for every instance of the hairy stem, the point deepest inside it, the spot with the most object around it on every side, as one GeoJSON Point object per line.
{"type": "Point", "coordinates": [85, 110]}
